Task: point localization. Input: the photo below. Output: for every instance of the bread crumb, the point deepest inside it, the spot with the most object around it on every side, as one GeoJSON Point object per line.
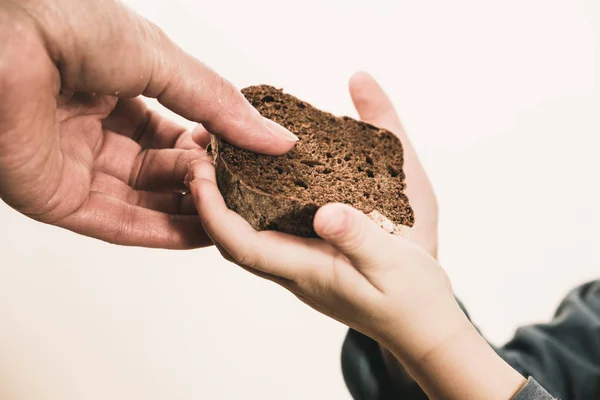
{"type": "Point", "coordinates": [388, 226]}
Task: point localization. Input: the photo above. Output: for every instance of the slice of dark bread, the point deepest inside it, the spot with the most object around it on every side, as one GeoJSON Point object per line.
{"type": "Point", "coordinates": [336, 160]}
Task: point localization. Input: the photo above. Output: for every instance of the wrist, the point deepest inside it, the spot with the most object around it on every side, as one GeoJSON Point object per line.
{"type": "Point", "coordinates": [412, 337]}
{"type": "Point", "coordinates": [463, 365]}
{"type": "Point", "coordinates": [397, 373]}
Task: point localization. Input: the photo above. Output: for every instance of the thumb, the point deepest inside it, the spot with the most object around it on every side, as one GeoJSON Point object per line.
{"type": "Point", "coordinates": [354, 234]}
{"type": "Point", "coordinates": [112, 50]}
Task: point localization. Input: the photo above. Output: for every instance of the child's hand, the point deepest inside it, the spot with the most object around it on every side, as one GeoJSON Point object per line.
{"type": "Point", "coordinates": [381, 285]}
{"type": "Point", "coordinates": [384, 286]}
{"type": "Point", "coordinates": [374, 107]}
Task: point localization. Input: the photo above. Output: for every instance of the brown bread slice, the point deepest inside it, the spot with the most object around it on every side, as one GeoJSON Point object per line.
{"type": "Point", "coordinates": [336, 160]}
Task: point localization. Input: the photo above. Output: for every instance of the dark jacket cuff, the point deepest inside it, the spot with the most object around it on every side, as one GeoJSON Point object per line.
{"type": "Point", "coordinates": [533, 391]}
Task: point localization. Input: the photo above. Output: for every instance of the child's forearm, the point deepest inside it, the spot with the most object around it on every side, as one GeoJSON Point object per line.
{"type": "Point", "coordinates": [397, 373]}
{"type": "Point", "coordinates": [466, 367]}
{"type": "Point", "coordinates": [461, 365]}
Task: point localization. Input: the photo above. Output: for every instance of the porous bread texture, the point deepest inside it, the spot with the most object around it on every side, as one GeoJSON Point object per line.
{"type": "Point", "coordinates": [336, 160]}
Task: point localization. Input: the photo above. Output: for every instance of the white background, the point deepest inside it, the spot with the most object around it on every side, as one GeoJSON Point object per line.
{"type": "Point", "coordinates": [501, 100]}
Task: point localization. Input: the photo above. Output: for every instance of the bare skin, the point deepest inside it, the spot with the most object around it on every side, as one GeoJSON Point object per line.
{"type": "Point", "coordinates": [375, 107]}
{"type": "Point", "coordinates": [386, 287]}
{"type": "Point", "coordinates": [78, 147]}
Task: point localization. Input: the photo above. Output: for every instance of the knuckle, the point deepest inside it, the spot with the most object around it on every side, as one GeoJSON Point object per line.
{"type": "Point", "coordinates": [224, 94]}
{"type": "Point", "coordinates": [247, 257]}
{"type": "Point", "coordinates": [143, 159]}
{"type": "Point", "coordinates": [146, 125]}
{"type": "Point", "coordinates": [223, 99]}
{"type": "Point", "coordinates": [182, 161]}
{"type": "Point", "coordinates": [353, 236]}
{"type": "Point", "coordinates": [155, 32]}
{"type": "Point", "coordinates": [158, 69]}
{"type": "Point", "coordinates": [124, 228]}
{"type": "Point", "coordinates": [339, 264]}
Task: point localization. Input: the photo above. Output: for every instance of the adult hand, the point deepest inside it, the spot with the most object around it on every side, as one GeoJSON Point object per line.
{"type": "Point", "coordinates": [79, 150]}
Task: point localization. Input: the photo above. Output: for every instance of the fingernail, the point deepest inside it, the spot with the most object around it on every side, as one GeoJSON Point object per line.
{"type": "Point", "coordinates": [280, 131]}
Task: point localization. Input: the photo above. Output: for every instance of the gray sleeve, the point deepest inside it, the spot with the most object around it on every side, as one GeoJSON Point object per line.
{"type": "Point", "coordinates": [533, 391]}
{"type": "Point", "coordinates": [562, 355]}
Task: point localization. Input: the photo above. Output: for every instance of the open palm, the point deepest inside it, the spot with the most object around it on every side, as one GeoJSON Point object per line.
{"type": "Point", "coordinates": [78, 147]}
{"type": "Point", "coordinates": [115, 172]}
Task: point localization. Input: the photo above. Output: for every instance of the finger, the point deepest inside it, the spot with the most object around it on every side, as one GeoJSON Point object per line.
{"type": "Point", "coordinates": [132, 118]}
{"type": "Point", "coordinates": [293, 258]}
{"type": "Point", "coordinates": [187, 206]}
{"type": "Point", "coordinates": [354, 234]}
{"type": "Point", "coordinates": [150, 169]}
{"type": "Point", "coordinates": [167, 202]}
{"type": "Point", "coordinates": [225, 254]}
{"type": "Point", "coordinates": [373, 105]}
{"type": "Point", "coordinates": [163, 169]}
{"type": "Point", "coordinates": [193, 139]}
{"type": "Point", "coordinates": [112, 220]}
{"type": "Point", "coordinates": [280, 281]}
{"type": "Point", "coordinates": [311, 268]}
{"type": "Point", "coordinates": [201, 136]}
{"type": "Point", "coordinates": [136, 57]}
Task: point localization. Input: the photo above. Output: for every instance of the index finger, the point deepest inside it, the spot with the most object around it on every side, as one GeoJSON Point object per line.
{"type": "Point", "coordinates": [126, 55]}
{"type": "Point", "coordinates": [197, 93]}
{"type": "Point", "coordinates": [290, 257]}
